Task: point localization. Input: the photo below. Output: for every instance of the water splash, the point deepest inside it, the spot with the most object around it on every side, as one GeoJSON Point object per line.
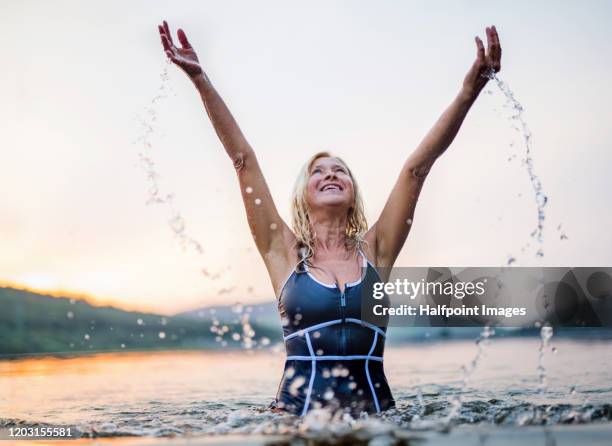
{"type": "Point", "coordinates": [457, 399]}
{"type": "Point", "coordinates": [155, 196]}
{"type": "Point", "coordinates": [546, 333]}
{"type": "Point", "coordinates": [519, 124]}
{"type": "Point", "coordinates": [539, 414]}
{"type": "Point", "coordinates": [238, 329]}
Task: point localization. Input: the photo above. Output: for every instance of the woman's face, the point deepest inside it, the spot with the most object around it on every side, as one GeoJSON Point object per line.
{"type": "Point", "coordinates": [329, 184]}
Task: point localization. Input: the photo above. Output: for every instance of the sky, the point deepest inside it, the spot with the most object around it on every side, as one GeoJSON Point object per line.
{"type": "Point", "coordinates": [363, 79]}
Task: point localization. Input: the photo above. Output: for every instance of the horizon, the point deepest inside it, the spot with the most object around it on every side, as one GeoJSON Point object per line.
{"type": "Point", "coordinates": [96, 301]}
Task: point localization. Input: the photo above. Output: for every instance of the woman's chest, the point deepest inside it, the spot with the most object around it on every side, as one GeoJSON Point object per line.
{"type": "Point", "coordinates": [305, 302]}
{"type": "Point", "coordinates": [336, 272]}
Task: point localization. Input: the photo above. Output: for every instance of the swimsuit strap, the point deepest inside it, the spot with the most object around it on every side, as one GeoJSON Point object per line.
{"type": "Point", "coordinates": [302, 263]}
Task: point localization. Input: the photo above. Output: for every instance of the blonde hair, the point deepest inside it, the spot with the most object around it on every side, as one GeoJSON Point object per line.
{"type": "Point", "coordinates": [304, 232]}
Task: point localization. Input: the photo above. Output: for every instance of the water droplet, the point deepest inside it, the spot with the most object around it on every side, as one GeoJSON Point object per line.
{"type": "Point", "coordinates": [70, 315]}
{"type": "Point", "coordinates": [122, 345]}
{"type": "Point", "coordinates": [328, 395]}
{"type": "Point", "coordinates": [140, 321]}
{"type": "Point", "coordinates": [542, 200]}
{"type": "Point", "coordinates": [273, 226]}
{"type": "Point", "coordinates": [236, 336]}
{"type": "Point", "coordinates": [86, 337]}
{"type": "Point", "coordinates": [319, 352]}
{"type": "Point", "coordinates": [249, 190]}
{"type": "Point", "coordinates": [296, 384]}
{"type": "Point", "coordinates": [409, 221]}
{"type": "Point", "coordinates": [257, 201]}
{"type": "Point", "coordinates": [163, 321]}
{"type": "Point", "coordinates": [546, 332]}
{"type": "Point", "coordinates": [316, 334]}
{"type": "Point", "coordinates": [162, 335]}
{"type": "Point", "coordinates": [339, 371]}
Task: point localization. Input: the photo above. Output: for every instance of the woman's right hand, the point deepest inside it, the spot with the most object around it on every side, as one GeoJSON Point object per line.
{"type": "Point", "coordinates": [185, 57]}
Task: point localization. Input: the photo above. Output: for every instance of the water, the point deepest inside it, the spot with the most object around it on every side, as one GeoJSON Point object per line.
{"type": "Point", "coordinates": [541, 199]}
{"type": "Point", "coordinates": [194, 393]}
{"type": "Point", "coordinates": [546, 333]}
{"type": "Point", "coordinates": [457, 400]}
{"type": "Point", "coordinates": [145, 156]}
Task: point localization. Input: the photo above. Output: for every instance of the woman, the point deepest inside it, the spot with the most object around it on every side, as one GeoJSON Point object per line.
{"type": "Point", "coordinates": [320, 268]}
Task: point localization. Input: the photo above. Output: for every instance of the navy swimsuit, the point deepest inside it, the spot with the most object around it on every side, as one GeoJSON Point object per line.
{"type": "Point", "coordinates": [333, 357]}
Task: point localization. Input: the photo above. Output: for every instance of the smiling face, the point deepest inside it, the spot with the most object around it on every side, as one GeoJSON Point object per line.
{"type": "Point", "coordinates": [326, 185]}
{"type": "Point", "coordinates": [329, 184]}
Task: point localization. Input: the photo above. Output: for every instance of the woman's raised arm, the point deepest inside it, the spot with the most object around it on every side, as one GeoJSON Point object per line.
{"type": "Point", "coordinates": [274, 239]}
{"type": "Point", "coordinates": [390, 231]}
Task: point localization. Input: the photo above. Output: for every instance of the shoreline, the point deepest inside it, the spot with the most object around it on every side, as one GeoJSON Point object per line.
{"type": "Point", "coordinates": [409, 342]}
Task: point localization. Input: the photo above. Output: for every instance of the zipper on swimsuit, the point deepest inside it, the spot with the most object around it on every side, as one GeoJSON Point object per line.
{"type": "Point", "coordinates": [343, 332]}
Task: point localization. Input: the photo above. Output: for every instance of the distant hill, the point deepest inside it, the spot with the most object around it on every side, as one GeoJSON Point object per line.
{"type": "Point", "coordinates": [38, 323]}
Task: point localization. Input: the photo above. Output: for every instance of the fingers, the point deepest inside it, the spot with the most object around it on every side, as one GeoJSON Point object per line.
{"type": "Point", "coordinates": [498, 50]}
{"type": "Point", "coordinates": [168, 34]}
{"type": "Point", "coordinates": [493, 48]}
{"type": "Point", "coordinates": [164, 39]}
{"type": "Point", "coordinates": [489, 40]}
{"type": "Point", "coordinates": [183, 39]}
{"type": "Point", "coordinates": [480, 51]}
{"type": "Point", "coordinates": [166, 44]}
{"type": "Point", "coordinates": [495, 35]}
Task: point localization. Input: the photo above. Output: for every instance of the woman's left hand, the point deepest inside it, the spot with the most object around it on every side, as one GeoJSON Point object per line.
{"type": "Point", "coordinates": [485, 62]}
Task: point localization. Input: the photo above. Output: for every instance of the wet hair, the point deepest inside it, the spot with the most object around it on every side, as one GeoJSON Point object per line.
{"type": "Point", "coordinates": [304, 232]}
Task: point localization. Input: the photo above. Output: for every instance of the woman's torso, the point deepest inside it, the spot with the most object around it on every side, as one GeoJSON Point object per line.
{"type": "Point", "coordinates": [333, 357]}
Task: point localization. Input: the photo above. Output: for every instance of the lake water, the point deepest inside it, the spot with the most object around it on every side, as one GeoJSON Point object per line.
{"type": "Point", "coordinates": [202, 392]}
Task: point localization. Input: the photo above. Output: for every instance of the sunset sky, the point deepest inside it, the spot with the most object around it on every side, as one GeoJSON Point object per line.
{"type": "Point", "coordinates": [363, 79]}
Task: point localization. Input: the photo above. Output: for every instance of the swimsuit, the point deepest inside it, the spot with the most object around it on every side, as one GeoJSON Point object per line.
{"type": "Point", "coordinates": [334, 359]}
